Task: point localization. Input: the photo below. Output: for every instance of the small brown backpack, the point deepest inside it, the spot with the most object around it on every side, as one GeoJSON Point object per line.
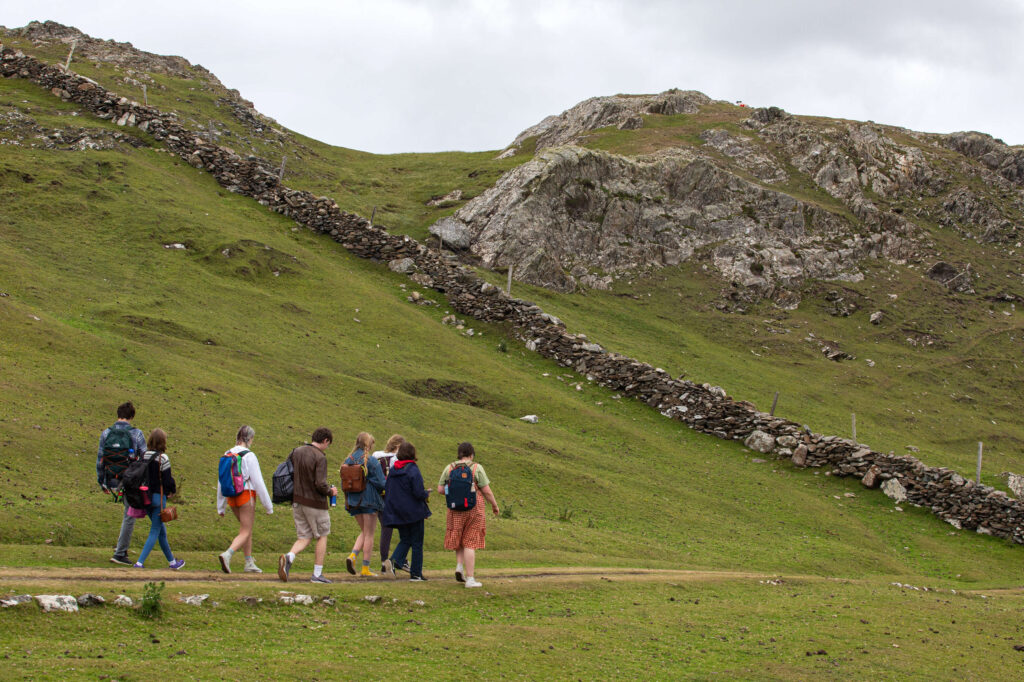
{"type": "Point", "coordinates": [353, 476]}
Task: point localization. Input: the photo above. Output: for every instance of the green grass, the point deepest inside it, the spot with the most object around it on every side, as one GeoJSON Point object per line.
{"type": "Point", "coordinates": [288, 332]}
{"type": "Point", "coordinates": [671, 627]}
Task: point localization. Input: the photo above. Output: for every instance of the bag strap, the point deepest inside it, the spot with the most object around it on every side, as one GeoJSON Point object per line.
{"type": "Point", "coordinates": [160, 474]}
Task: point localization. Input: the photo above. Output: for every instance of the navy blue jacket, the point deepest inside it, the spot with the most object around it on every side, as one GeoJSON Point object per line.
{"type": "Point", "coordinates": [405, 498]}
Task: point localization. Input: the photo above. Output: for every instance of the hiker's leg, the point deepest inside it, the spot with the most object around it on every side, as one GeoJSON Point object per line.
{"type": "Point", "coordinates": [320, 551]}
{"type": "Point", "coordinates": [299, 545]}
{"type": "Point", "coordinates": [164, 545]}
{"type": "Point", "coordinates": [402, 550]}
{"type": "Point", "coordinates": [124, 538]}
{"type": "Point", "coordinates": [416, 540]}
{"type": "Point", "coordinates": [369, 524]}
{"type": "Point", "coordinates": [460, 557]}
{"type": "Point", "coordinates": [154, 530]}
{"type": "Point", "coordinates": [469, 556]}
{"type": "Point", "coordinates": [385, 538]}
{"type": "Point", "coordinates": [245, 515]}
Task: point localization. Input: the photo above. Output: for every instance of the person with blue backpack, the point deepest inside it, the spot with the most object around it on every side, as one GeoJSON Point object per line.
{"type": "Point", "coordinates": [466, 522]}
{"type": "Point", "coordinates": [120, 445]}
{"type": "Point", "coordinates": [405, 508]}
{"type": "Point", "coordinates": [239, 483]}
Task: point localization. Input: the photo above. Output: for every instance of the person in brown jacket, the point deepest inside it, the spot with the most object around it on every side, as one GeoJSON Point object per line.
{"type": "Point", "coordinates": [310, 507]}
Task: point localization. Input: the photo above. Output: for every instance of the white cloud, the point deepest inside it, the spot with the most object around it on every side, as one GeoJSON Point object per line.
{"type": "Point", "coordinates": [427, 75]}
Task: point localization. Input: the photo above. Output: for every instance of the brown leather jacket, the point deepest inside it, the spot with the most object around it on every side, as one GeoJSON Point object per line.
{"type": "Point", "coordinates": [310, 476]}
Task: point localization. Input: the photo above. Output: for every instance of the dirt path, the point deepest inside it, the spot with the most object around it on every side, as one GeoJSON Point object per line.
{"type": "Point", "coordinates": [40, 576]}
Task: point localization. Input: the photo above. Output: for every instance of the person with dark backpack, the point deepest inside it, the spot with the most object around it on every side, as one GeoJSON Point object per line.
{"type": "Point", "coordinates": [159, 484]}
{"type": "Point", "coordinates": [405, 508]}
{"type": "Point", "coordinates": [462, 483]}
{"type": "Point", "coordinates": [120, 445]}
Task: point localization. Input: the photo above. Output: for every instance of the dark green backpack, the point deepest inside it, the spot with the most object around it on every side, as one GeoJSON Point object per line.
{"type": "Point", "coordinates": [118, 453]}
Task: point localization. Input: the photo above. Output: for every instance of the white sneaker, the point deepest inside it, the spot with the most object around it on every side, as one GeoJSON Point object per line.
{"type": "Point", "coordinates": [225, 562]}
{"type": "Point", "coordinates": [472, 582]}
{"type": "Point", "coordinates": [251, 567]}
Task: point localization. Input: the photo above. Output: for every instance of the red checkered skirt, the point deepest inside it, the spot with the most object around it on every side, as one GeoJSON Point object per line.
{"type": "Point", "coordinates": [466, 529]}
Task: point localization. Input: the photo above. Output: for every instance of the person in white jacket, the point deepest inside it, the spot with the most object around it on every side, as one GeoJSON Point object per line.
{"type": "Point", "coordinates": [244, 505]}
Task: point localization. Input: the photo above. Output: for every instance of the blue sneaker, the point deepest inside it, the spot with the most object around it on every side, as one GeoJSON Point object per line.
{"type": "Point", "coordinates": [176, 564]}
{"type": "Point", "coordinates": [138, 564]}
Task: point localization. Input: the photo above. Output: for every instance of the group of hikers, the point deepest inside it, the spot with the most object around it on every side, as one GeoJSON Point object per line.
{"type": "Point", "coordinates": [384, 485]}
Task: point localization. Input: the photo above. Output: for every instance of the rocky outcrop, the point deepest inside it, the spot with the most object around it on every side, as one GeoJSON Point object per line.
{"type": "Point", "coordinates": [702, 407]}
{"type": "Point", "coordinates": [574, 216]}
{"type": "Point", "coordinates": [623, 111]}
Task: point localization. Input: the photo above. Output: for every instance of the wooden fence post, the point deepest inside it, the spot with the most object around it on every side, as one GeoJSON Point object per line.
{"type": "Point", "coordinates": [775, 401]}
{"type": "Point", "coordinates": [977, 476]}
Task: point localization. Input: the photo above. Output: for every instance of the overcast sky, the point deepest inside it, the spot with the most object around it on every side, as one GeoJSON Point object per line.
{"type": "Point", "coordinates": [432, 75]}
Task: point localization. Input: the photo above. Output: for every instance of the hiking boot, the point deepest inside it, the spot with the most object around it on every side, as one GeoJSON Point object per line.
{"type": "Point", "coordinates": [284, 564]}
{"type": "Point", "coordinates": [225, 562]}
{"type": "Point", "coordinates": [472, 582]}
{"type": "Point", "coordinates": [367, 573]}
{"type": "Point", "coordinates": [251, 567]}
{"type": "Point", "coordinates": [138, 564]}
{"type": "Point", "coordinates": [176, 564]}
{"type": "Point", "coordinates": [121, 559]}
{"type": "Point", "coordinates": [460, 575]}
{"type": "Point", "coordinates": [320, 579]}
{"type": "Point", "coordinates": [418, 579]}
{"type": "Point", "coordinates": [350, 563]}
{"type": "Point", "coordinates": [388, 568]}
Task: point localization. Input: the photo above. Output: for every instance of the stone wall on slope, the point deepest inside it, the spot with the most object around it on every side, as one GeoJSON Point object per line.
{"type": "Point", "coordinates": [702, 407]}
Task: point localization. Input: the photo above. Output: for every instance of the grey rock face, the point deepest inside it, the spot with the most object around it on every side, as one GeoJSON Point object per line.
{"type": "Point", "coordinates": [453, 232]}
{"type": "Point", "coordinates": [573, 217]}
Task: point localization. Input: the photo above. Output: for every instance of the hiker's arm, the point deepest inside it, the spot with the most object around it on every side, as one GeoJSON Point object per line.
{"type": "Point", "coordinates": [419, 491]}
{"type": "Point", "coordinates": [254, 474]}
{"type": "Point", "coordinates": [486, 490]}
{"type": "Point", "coordinates": [222, 502]}
{"type": "Point", "coordinates": [376, 474]}
{"type": "Point", "coordinates": [320, 479]}
{"type": "Point", "coordinates": [444, 479]}
{"type": "Point", "coordinates": [99, 461]}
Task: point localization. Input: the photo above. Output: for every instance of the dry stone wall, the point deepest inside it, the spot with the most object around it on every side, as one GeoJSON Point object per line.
{"type": "Point", "coordinates": [702, 407]}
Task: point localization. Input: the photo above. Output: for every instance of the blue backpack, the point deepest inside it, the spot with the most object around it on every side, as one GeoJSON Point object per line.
{"type": "Point", "coordinates": [460, 492]}
{"type": "Point", "coordinates": [229, 474]}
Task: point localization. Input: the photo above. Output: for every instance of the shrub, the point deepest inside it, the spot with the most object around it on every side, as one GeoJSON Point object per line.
{"type": "Point", "coordinates": [151, 605]}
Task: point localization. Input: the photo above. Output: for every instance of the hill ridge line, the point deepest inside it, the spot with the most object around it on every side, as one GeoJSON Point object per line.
{"type": "Point", "coordinates": [704, 408]}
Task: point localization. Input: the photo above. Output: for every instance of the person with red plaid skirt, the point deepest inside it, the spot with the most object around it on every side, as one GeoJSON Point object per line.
{"type": "Point", "coordinates": [465, 531]}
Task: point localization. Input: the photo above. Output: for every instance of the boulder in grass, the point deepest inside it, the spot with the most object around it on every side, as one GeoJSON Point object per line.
{"type": "Point", "coordinates": [530, 419]}
{"type": "Point", "coordinates": [15, 600]}
{"type": "Point", "coordinates": [90, 599]}
{"type": "Point", "coordinates": [759, 441]}
{"type": "Point", "coordinates": [124, 600]}
{"type": "Point", "coordinates": [871, 478]}
{"type": "Point", "coordinates": [895, 490]}
{"type": "Point", "coordinates": [57, 602]}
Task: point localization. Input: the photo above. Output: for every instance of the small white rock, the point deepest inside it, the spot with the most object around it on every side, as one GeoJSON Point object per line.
{"type": "Point", "coordinates": [530, 419]}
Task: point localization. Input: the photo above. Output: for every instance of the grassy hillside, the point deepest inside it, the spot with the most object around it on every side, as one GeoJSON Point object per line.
{"type": "Point", "coordinates": [258, 321]}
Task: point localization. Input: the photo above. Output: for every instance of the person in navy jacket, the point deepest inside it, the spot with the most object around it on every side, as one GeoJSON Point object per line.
{"type": "Point", "coordinates": [405, 508]}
